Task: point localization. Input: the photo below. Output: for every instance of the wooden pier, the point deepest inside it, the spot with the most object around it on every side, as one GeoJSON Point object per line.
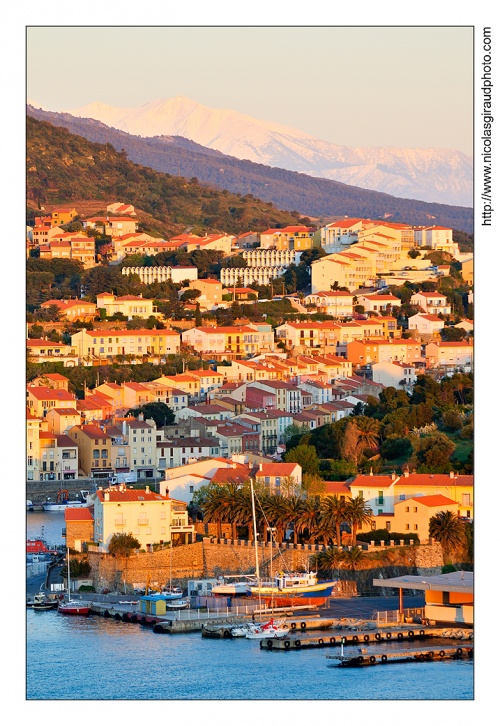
{"type": "Point", "coordinates": [358, 661]}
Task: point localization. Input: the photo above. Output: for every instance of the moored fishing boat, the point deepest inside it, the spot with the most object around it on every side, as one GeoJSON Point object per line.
{"type": "Point", "coordinates": [64, 502]}
{"type": "Point", "coordinates": [41, 602]}
{"type": "Point", "coordinates": [294, 586]}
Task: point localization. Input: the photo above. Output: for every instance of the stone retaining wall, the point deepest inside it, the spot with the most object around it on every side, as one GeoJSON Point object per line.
{"type": "Point", "coordinates": [208, 559]}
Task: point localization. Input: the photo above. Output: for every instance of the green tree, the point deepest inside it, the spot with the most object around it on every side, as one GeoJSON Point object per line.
{"type": "Point", "coordinates": [157, 410]}
{"type": "Point", "coordinates": [447, 529]}
{"type": "Point", "coordinates": [305, 456]}
{"type": "Point", "coordinates": [122, 545]}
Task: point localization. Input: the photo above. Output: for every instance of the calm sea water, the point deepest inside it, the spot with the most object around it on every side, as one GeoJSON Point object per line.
{"type": "Point", "coordinates": [103, 659]}
{"type": "Point", "coordinates": [47, 525]}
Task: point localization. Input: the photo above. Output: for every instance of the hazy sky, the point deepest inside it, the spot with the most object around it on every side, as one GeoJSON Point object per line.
{"type": "Point", "coordinates": [371, 86]}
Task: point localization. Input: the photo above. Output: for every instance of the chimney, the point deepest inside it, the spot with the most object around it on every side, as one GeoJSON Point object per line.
{"type": "Point", "coordinates": [406, 473]}
{"type": "Point", "coordinates": [260, 467]}
{"type": "Point", "coordinates": [452, 474]}
{"type": "Point", "coordinates": [371, 471]}
{"type": "Point", "coordinates": [147, 488]}
{"type": "Point", "coordinates": [106, 496]}
{"type": "Point", "coordinates": [393, 475]}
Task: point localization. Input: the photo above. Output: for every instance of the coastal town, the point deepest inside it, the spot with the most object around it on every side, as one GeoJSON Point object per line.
{"type": "Point", "coordinates": [330, 366]}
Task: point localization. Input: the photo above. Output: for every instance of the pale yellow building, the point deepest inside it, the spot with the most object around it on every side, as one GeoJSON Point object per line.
{"type": "Point", "coordinates": [128, 305]}
{"type": "Point", "coordinates": [151, 518]}
{"type": "Point", "coordinates": [99, 344]}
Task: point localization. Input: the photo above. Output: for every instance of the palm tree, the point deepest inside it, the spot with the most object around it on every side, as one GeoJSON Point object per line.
{"type": "Point", "coordinates": [328, 561]}
{"type": "Point", "coordinates": [295, 509]}
{"type": "Point", "coordinates": [358, 513]}
{"type": "Point", "coordinates": [447, 529]}
{"type": "Point", "coordinates": [229, 503]}
{"type": "Point", "coordinates": [368, 430]}
{"type": "Point", "coordinates": [308, 519]}
{"type": "Point", "coordinates": [213, 508]}
{"type": "Point", "coordinates": [275, 513]}
{"type": "Point", "coordinates": [333, 513]}
{"type": "Point", "coordinates": [353, 557]}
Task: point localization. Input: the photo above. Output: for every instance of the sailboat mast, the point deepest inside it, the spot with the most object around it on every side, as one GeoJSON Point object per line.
{"type": "Point", "coordinates": [255, 534]}
{"type": "Point", "coordinates": [255, 541]}
{"type": "Point", "coordinates": [69, 583]}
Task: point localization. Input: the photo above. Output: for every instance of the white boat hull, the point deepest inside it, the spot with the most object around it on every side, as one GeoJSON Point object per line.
{"type": "Point", "coordinates": [61, 506]}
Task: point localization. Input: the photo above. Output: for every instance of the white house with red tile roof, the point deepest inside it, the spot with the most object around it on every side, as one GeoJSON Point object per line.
{"type": "Point", "coordinates": [450, 355]}
{"type": "Point", "coordinates": [395, 374]}
{"type": "Point", "coordinates": [128, 305]}
{"type": "Point", "coordinates": [436, 237]}
{"type": "Point", "coordinates": [426, 324]}
{"type": "Point", "coordinates": [340, 234]}
{"type": "Point", "coordinates": [376, 490]}
{"type": "Point", "coordinates": [183, 481]}
{"type": "Point", "coordinates": [432, 303]}
{"type": "Point", "coordinates": [378, 302]}
{"type": "Point", "coordinates": [337, 303]}
{"type": "Point", "coordinates": [148, 516]}
{"type": "Point", "coordinates": [280, 477]}
{"type": "Point", "coordinates": [121, 209]}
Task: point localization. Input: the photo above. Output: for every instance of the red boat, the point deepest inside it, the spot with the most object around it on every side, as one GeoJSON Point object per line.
{"type": "Point", "coordinates": [73, 607]}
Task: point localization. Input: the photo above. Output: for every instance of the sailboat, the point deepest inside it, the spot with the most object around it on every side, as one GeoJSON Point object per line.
{"type": "Point", "coordinates": [286, 588]}
{"type": "Point", "coordinates": [171, 592]}
{"type": "Point", "coordinates": [72, 607]}
{"type": "Point", "coordinates": [271, 629]}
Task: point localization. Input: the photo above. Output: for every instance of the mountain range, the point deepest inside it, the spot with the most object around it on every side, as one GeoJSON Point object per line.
{"type": "Point", "coordinates": [311, 196]}
{"type": "Point", "coordinates": [431, 175]}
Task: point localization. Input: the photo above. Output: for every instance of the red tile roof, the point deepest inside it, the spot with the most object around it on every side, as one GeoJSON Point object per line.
{"type": "Point", "coordinates": [78, 514]}
{"type": "Point", "coordinates": [435, 480]}
{"type": "Point", "coordinates": [279, 469]}
{"type": "Point", "coordinates": [130, 495]}
{"type": "Point", "coordinates": [365, 480]}
{"type": "Point", "coordinates": [433, 500]}
{"type": "Point", "coordinates": [337, 487]}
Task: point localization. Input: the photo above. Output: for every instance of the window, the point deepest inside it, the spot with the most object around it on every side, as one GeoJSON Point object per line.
{"type": "Point", "coordinates": [415, 509]}
{"type": "Point", "coordinates": [401, 497]}
{"type": "Point", "coordinates": [415, 526]}
{"type": "Point", "coordinates": [95, 454]}
{"type": "Point", "coordinates": [407, 509]}
{"type": "Point", "coordinates": [407, 526]}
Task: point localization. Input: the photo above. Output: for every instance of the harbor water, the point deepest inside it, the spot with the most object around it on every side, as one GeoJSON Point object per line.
{"type": "Point", "coordinates": [103, 659]}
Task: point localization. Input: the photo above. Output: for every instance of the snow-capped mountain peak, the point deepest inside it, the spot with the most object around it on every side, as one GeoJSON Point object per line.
{"type": "Point", "coordinates": [432, 175]}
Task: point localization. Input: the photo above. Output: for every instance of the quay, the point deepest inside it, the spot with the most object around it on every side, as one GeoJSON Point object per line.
{"type": "Point", "coordinates": [358, 661]}
{"type": "Point", "coordinates": [389, 636]}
